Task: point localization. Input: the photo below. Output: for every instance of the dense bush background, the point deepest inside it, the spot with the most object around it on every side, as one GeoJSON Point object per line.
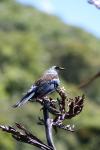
{"type": "Point", "coordinates": [30, 42]}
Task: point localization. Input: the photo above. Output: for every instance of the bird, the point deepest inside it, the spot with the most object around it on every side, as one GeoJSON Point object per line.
{"type": "Point", "coordinates": [45, 85]}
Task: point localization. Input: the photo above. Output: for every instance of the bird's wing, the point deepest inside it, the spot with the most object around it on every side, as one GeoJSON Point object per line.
{"type": "Point", "coordinates": [46, 78]}
{"type": "Point", "coordinates": [47, 84]}
{"type": "Point", "coordinates": [27, 96]}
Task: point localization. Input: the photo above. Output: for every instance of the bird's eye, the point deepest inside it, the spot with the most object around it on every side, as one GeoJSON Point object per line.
{"type": "Point", "coordinates": [57, 67]}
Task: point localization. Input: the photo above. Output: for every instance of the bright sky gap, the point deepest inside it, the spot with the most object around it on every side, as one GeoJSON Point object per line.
{"type": "Point", "coordinates": [77, 13]}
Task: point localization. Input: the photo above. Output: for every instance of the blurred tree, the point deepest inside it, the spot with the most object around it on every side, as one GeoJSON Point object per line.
{"type": "Point", "coordinates": [31, 41]}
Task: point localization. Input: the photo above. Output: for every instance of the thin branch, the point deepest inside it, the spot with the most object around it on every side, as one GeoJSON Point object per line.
{"type": "Point", "coordinates": [25, 136]}
{"type": "Point", "coordinates": [95, 3]}
{"type": "Point", "coordinates": [89, 81]}
{"type": "Point", "coordinates": [65, 127]}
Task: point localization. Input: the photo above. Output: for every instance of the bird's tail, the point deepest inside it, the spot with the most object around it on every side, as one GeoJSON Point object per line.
{"type": "Point", "coordinates": [24, 99]}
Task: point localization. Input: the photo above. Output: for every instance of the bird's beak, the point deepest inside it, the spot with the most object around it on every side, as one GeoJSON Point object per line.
{"type": "Point", "coordinates": [61, 68]}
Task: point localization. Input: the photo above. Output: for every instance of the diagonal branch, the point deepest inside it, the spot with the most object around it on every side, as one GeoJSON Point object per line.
{"type": "Point", "coordinates": [90, 80]}
{"type": "Point", "coordinates": [95, 3]}
{"type": "Point", "coordinates": [25, 136]}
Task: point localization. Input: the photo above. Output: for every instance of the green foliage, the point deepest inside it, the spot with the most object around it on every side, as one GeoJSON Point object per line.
{"type": "Point", "coordinates": [30, 42]}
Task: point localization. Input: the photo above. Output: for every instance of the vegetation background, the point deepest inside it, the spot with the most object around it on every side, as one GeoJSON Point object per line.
{"type": "Point", "coordinates": [30, 42]}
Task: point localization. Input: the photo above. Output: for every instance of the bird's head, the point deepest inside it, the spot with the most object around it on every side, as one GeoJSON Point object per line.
{"type": "Point", "coordinates": [54, 69]}
{"type": "Point", "coordinates": [57, 68]}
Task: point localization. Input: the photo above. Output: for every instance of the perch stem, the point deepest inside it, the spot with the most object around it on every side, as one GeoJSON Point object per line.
{"type": "Point", "coordinates": [48, 125]}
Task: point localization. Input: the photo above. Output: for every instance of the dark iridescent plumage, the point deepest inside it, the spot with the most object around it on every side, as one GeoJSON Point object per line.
{"type": "Point", "coordinates": [44, 86]}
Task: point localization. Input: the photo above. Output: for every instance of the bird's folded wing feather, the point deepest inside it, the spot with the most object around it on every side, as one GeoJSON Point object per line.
{"type": "Point", "coordinates": [47, 84]}
{"type": "Point", "coordinates": [46, 78]}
